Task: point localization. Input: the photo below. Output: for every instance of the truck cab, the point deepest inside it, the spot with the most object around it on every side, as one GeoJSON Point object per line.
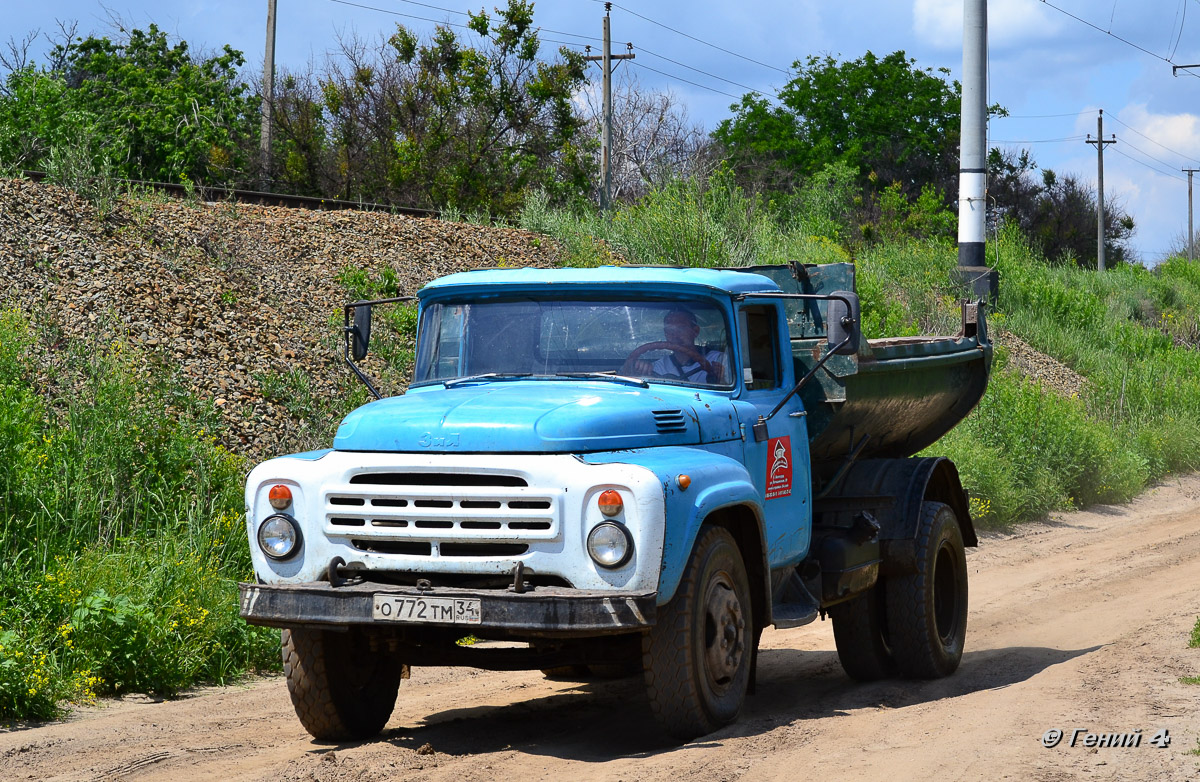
{"type": "Point", "coordinates": [625, 468]}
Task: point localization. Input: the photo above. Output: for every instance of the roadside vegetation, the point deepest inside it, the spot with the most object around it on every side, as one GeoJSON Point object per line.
{"type": "Point", "coordinates": [122, 531]}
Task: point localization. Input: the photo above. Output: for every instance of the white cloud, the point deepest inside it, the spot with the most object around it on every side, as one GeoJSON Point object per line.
{"type": "Point", "coordinates": [940, 22]}
{"type": "Point", "coordinates": [1177, 135]}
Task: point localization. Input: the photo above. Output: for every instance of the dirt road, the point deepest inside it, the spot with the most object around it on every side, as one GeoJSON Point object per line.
{"type": "Point", "coordinates": [1078, 623]}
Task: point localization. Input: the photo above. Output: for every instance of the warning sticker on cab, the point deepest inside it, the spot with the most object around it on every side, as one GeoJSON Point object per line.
{"type": "Point", "coordinates": [779, 467]}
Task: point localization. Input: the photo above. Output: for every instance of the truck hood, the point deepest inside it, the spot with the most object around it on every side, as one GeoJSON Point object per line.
{"type": "Point", "coordinates": [551, 416]}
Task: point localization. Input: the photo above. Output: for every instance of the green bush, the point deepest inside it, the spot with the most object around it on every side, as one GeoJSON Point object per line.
{"type": "Point", "coordinates": [122, 529]}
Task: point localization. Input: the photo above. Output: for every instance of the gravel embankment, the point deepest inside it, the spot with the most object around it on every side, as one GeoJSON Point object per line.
{"type": "Point", "coordinates": [224, 295]}
{"type": "Point", "coordinates": [223, 292]}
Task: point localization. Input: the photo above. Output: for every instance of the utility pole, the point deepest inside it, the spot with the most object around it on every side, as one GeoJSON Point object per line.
{"type": "Point", "coordinates": [973, 271]}
{"type": "Point", "coordinates": [1100, 143]}
{"type": "Point", "coordinates": [605, 61]}
{"type": "Point", "coordinates": [1191, 244]}
{"type": "Point", "coordinates": [268, 97]}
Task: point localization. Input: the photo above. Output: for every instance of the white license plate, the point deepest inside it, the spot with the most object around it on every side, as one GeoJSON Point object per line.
{"type": "Point", "coordinates": [446, 610]}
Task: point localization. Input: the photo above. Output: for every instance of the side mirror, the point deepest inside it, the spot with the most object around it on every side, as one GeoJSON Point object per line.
{"type": "Point", "coordinates": [844, 319]}
{"type": "Point", "coordinates": [360, 332]}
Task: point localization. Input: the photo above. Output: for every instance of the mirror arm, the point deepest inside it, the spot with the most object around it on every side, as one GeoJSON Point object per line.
{"type": "Point", "coordinates": [760, 426]}
{"type": "Point", "coordinates": [352, 331]}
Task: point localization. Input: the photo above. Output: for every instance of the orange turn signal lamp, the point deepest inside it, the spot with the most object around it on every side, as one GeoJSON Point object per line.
{"type": "Point", "coordinates": [610, 502]}
{"type": "Point", "coordinates": [280, 497]}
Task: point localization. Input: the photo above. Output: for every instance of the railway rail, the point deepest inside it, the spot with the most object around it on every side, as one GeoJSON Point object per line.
{"type": "Point", "coordinates": [262, 198]}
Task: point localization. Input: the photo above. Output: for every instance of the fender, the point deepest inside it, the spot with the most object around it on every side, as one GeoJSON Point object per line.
{"type": "Point", "coordinates": [893, 490]}
{"type": "Point", "coordinates": [718, 482]}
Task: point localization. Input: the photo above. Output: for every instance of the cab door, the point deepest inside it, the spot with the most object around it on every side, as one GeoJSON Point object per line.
{"type": "Point", "coordinates": [779, 464]}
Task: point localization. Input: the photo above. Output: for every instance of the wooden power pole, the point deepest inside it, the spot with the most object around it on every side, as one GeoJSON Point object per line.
{"type": "Point", "coordinates": [605, 61]}
{"type": "Point", "coordinates": [1100, 143]}
{"type": "Point", "coordinates": [1191, 242]}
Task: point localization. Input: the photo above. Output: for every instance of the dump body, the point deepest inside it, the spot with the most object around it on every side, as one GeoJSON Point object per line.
{"type": "Point", "coordinates": [895, 396]}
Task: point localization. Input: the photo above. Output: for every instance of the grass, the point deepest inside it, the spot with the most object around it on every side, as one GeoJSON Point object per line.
{"type": "Point", "coordinates": [121, 517]}
{"type": "Point", "coordinates": [122, 531]}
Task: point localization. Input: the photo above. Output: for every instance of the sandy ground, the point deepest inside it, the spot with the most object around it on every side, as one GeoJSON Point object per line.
{"type": "Point", "coordinates": [1079, 623]}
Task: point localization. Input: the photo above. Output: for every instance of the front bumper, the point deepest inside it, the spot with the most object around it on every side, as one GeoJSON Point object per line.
{"type": "Point", "coordinates": [540, 610]}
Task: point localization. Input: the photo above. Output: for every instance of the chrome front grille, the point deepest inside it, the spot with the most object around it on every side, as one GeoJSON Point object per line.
{"type": "Point", "coordinates": [441, 514]}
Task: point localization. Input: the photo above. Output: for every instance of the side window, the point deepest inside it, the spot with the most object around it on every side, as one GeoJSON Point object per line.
{"type": "Point", "coordinates": [760, 360]}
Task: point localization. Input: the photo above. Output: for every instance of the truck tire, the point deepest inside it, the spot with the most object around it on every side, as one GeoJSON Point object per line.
{"type": "Point", "coordinates": [697, 656]}
{"type": "Point", "coordinates": [341, 689]}
{"type": "Point", "coordinates": [927, 610]}
{"type": "Point", "coordinates": [861, 634]}
{"type": "Point", "coordinates": [567, 673]}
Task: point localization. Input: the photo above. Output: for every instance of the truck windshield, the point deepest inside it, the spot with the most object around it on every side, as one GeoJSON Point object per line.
{"type": "Point", "coordinates": [679, 341]}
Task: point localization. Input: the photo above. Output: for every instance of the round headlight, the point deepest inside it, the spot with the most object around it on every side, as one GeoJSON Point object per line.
{"type": "Point", "coordinates": [279, 536]}
{"type": "Point", "coordinates": [609, 544]}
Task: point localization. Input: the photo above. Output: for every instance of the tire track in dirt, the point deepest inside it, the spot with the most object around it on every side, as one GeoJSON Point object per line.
{"type": "Point", "coordinates": [1078, 622]}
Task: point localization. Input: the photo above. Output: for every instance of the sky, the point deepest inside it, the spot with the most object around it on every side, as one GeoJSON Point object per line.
{"type": "Point", "coordinates": [1052, 63]}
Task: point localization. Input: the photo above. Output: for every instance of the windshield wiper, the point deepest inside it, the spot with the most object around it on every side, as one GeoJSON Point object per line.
{"type": "Point", "coordinates": [485, 376]}
{"type": "Point", "coordinates": [632, 381]}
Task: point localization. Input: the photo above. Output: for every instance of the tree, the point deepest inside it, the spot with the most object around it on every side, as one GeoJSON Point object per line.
{"type": "Point", "coordinates": [653, 142]}
{"type": "Point", "coordinates": [881, 116]}
{"type": "Point", "coordinates": [441, 122]}
{"type": "Point", "coordinates": [1058, 214]}
{"type": "Point", "coordinates": [164, 114]}
{"type": "Point", "coordinates": [148, 107]}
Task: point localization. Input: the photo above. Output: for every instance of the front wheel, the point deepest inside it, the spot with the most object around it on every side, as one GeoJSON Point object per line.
{"type": "Point", "coordinates": [340, 687]}
{"type": "Point", "coordinates": [697, 656]}
{"type": "Point", "coordinates": [927, 610]}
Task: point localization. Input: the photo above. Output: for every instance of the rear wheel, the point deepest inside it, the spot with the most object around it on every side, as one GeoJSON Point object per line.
{"type": "Point", "coordinates": [860, 631]}
{"type": "Point", "coordinates": [340, 688]}
{"type": "Point", "coordinates": [927, 611]}
{"type": "Point", "coordinates": [697, 656]}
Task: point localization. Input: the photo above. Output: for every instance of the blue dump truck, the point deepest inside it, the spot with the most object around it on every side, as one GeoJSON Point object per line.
{"type": "Point", "coordinates": [630, 469]}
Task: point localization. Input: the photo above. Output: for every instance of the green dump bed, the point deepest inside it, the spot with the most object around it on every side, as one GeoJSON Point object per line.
{"type": "Point", "coordinates": [895, 396]}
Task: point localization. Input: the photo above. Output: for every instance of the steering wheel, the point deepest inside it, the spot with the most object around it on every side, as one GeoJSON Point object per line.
{"type": "Point", "coordinates": [687, 350]}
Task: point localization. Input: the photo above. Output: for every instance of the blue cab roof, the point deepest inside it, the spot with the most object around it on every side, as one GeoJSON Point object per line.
{"type": "Point", "coordinates": [652, 277]}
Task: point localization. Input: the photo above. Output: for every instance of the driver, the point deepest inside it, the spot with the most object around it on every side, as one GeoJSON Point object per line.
{"type": "Point", "coordinates": [680, 328]}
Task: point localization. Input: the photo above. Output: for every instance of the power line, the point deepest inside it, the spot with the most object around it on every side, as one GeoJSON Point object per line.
{"type": "Point", "coordinates": [1147, 154]}
{"type": "Point", "coordinates": [449, 24]}
{"type": "Point", "coordinates": [706, 73]}
{"type": "Point", "coordinates": [1147, 165]}
{"type": "Point", "coordinates": [1039, 140]}
{"type": "Point", "coordinates": [398, 13]}
{"type": "Point", "coordinates": [1152, 141]}
{"type": "Point", "coordinates": [1049, 116]}
{"type": "Point", "coordinates": [564, 43]}
{"type": "Point", "coordinates": [1183, 6]}
{"type": "Point", "coordinates": [686, 81]}
{"type": "Point", "coordinates": [697, 40]}
{"type": "Point", "coordinates": [434, 7]}
{"type": "Point", "coordinates": [1112, 35]}
{"type": "Point", "coordinates": [465, 13]}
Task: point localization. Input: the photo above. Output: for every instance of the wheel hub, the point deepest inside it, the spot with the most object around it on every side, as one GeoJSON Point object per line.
{"type": "Point", "coordinates": [724, 623]}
